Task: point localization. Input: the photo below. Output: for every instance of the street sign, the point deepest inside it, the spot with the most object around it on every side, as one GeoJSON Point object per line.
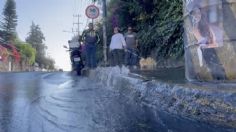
{"type": "Point", "coordinates": [92, 11]}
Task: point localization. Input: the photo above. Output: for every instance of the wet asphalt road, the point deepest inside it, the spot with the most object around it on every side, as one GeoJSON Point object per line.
{"type": "Point", "coordinates": [56, 102]}
{"type": "Point", "coordinates": [61, 102]}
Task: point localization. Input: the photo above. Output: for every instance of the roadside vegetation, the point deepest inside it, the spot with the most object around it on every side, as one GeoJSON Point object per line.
{"type": "Point", "coordinates": [32, 50]}
{"type": "Point", "coordinates": [159, 25]}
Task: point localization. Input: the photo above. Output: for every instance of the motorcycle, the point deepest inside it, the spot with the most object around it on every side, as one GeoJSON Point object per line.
{"type": "Point", "coordinates": [75, 56]}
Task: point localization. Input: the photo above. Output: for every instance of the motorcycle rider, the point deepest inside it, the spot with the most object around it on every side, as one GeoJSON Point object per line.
{"type": "Point", "coordinates": [75, 52]}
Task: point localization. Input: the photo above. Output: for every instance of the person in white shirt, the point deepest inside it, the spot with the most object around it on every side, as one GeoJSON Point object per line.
{"type": "Point", "coordinates": [117, 47]}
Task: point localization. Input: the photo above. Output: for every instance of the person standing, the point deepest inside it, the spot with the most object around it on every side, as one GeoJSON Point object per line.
{"type": "Point", "coordinates": [131, 54]}
{"type": "Point", "coordinates": [90, 38]}
{"type": "Point", "coordinates": [117, 47]}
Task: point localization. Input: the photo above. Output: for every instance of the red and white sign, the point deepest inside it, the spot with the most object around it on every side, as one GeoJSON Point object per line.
{"type": "Point", "coordinates": [92, 11]}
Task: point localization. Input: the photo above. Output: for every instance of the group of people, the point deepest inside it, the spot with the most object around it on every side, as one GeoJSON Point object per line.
{"type": "Point", "coordinates": [122, 49]}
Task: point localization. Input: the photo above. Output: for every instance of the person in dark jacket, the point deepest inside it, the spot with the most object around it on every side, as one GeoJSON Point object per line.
{"type": "Point", "coordinates": [90, 38]}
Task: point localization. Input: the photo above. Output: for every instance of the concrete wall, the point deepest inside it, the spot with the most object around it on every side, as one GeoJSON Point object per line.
{"type": "Point", "coordinates": [213, 104]}
{"type": "Point", "coordinates": [4, 66]}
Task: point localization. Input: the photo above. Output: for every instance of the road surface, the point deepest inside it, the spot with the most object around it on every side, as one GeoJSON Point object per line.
{"type": "Point", "coordinates": [62, 102]}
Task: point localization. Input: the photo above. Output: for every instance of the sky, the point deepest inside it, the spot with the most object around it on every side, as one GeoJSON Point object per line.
{"type": "Point", "coordinates": [55, 18]}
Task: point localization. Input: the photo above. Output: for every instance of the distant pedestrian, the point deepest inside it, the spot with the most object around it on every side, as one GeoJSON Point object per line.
{"type": "Point", "coordinates": [90, 38]}
{"type": "Point", "coordinates": [131, 54]}
{"type": "Point", "coordinates": [117, 47]}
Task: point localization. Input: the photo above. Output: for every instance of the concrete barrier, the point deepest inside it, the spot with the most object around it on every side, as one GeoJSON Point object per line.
{"type": "Point", "coordinates": [212, 104]}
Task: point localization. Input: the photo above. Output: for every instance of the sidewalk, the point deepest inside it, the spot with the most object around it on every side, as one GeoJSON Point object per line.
{"type": "Point", "coordinates": [173, 75]}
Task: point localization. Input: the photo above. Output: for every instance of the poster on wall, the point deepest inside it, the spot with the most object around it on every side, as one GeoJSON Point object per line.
{"type": "Point", "coordinates": [204, 32]}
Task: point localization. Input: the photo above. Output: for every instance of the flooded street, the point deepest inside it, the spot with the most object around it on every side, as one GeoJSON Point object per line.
{"type": "Point", "coordinates": [61, 102]}
{"type": "Point", "coordinates": [45, 102]}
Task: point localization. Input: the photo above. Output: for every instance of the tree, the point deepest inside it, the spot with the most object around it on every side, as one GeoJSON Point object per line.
{"type": "Point", "coordinates": [27, 52]}
{"type": "Point", "coordinates": [9, 23]}
{"type": "Point", "coordinates": [49, 63]}
{"type": "Point", "coordinates": [36, 39]}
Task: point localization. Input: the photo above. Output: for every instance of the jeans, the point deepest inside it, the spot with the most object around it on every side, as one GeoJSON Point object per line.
{"type": "Point", "coordinates": [131, 57]}
{"type": "Point", "coordinates": [116, 57]}
{"type": "Point", "coordinates": [90, 55]}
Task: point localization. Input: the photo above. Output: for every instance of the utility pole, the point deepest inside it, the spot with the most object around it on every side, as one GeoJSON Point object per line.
{"type": "Point", "coordinates": [104, 8]}
{"type": "Point", "coordinates": [78, 23]}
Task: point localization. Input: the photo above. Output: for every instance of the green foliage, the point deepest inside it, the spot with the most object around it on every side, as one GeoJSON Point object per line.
{"type": "Point", "coordinates": [27, 52]}
{"type": "Point", "coordinates": [36, 39]}
{"type": "Point", "coordinates": [9, 23]}
{"type": "Point", "coordinates": [33, 50]}
{"type": "Point", "coordinates": [158, 23]}
{"type": "Point", "coordinates": [35, 36]}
